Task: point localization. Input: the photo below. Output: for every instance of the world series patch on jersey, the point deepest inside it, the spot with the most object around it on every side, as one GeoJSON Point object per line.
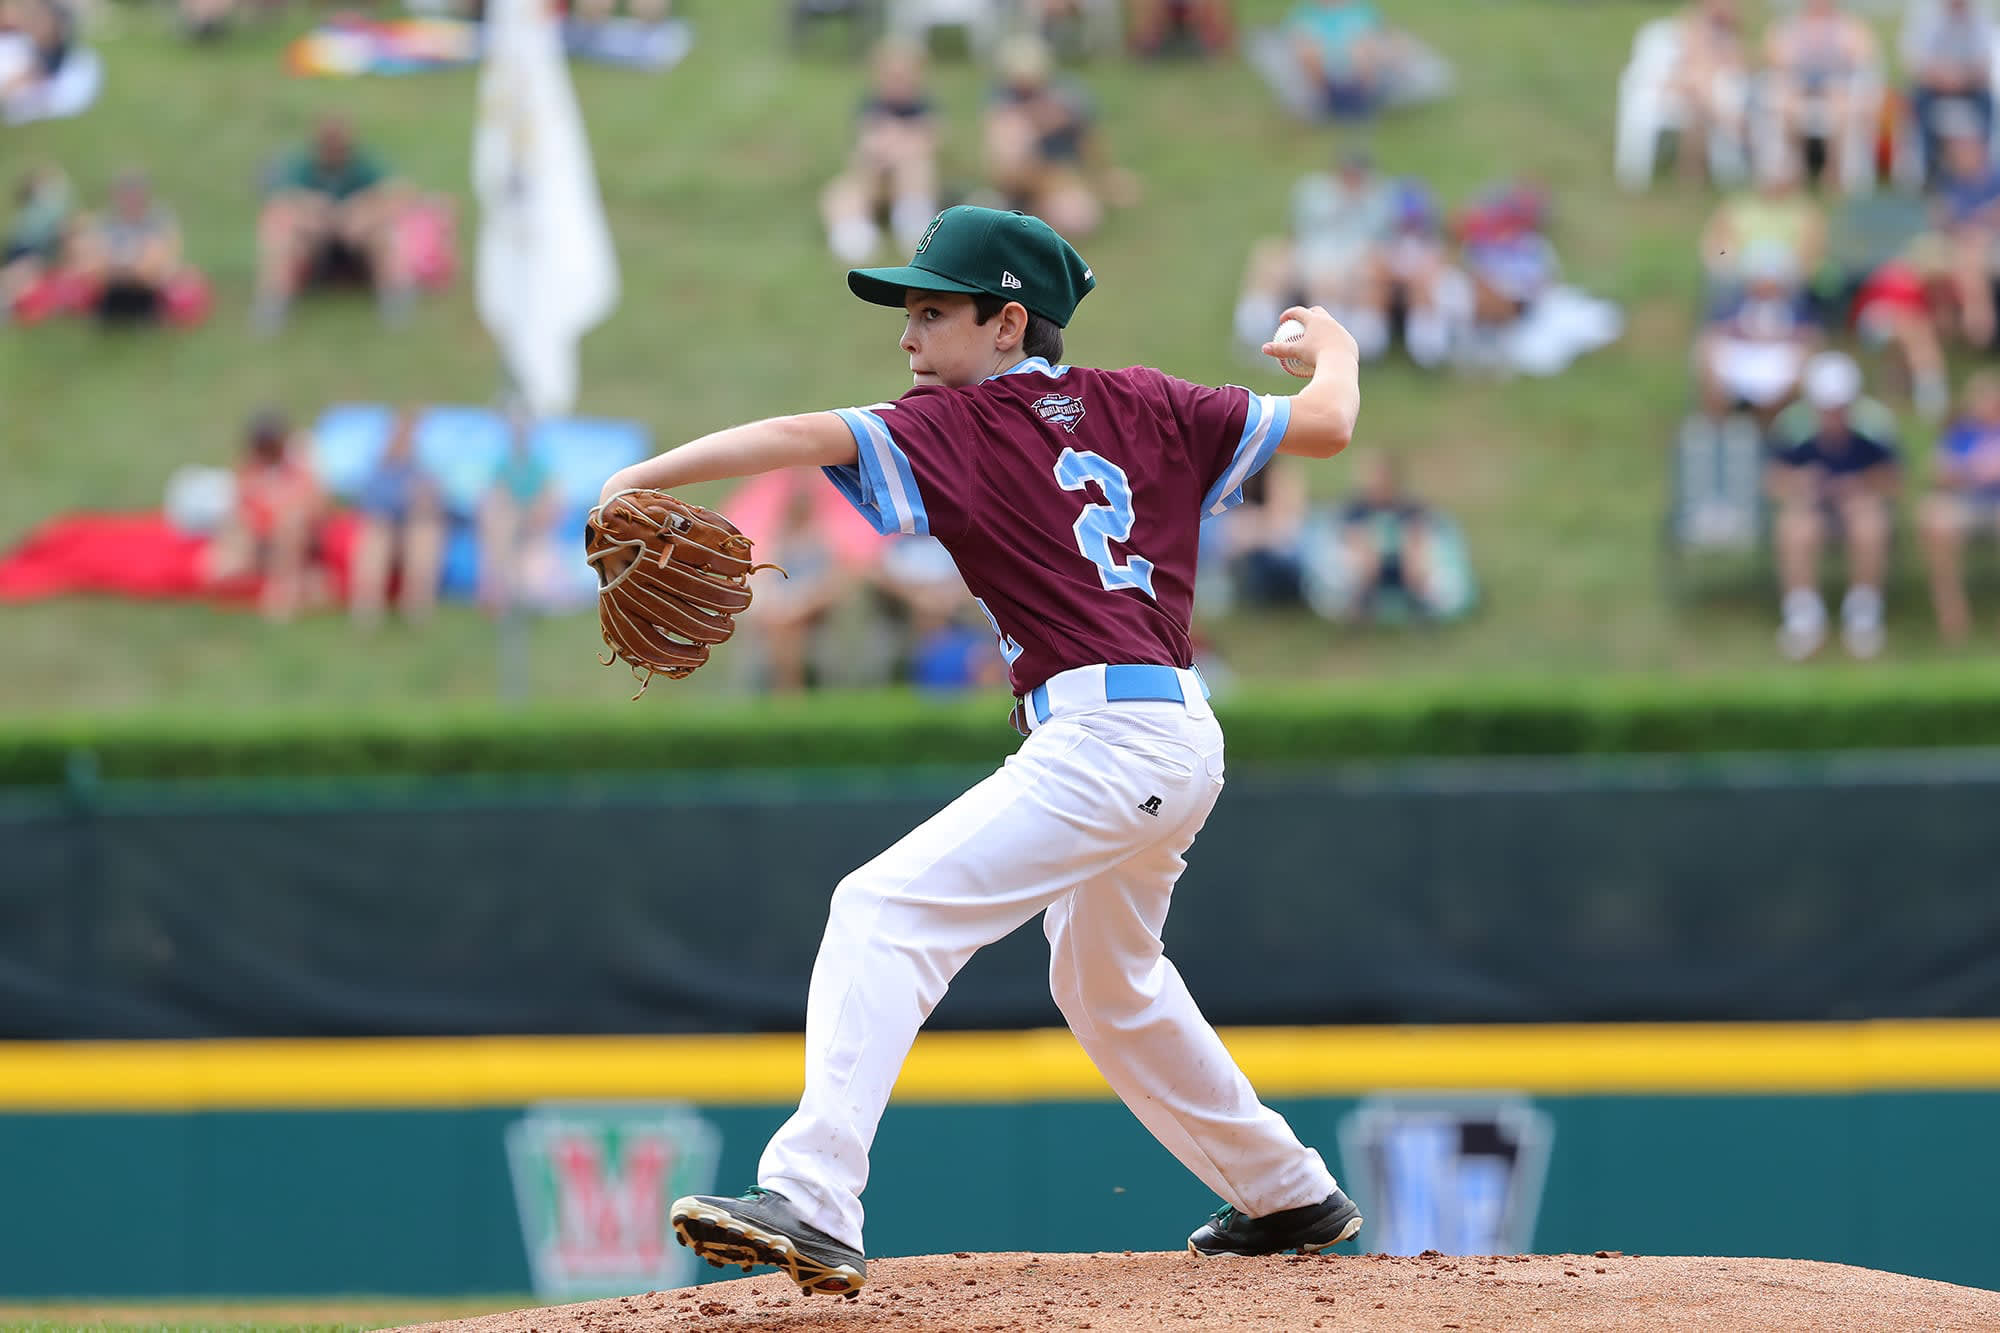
{"type": "Point", "coordinates": [1071, 498]}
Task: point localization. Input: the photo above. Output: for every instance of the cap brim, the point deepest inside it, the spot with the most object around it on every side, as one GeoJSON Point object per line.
{"type": "Point", "coordinates": [886, 286]}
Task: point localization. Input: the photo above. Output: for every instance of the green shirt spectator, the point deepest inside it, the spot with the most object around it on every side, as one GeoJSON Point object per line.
{"type": "Point", "coordinates": [342, 176]}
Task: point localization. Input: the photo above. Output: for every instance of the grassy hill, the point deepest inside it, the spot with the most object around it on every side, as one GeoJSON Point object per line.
{"type": "Point", "coordinates": [732, 309]}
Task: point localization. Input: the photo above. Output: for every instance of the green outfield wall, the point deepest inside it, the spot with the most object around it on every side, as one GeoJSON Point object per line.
{"type": "Point", "coordinates": [1698, 888]}
{"type": "Point", "coordinates": [305, 1168]}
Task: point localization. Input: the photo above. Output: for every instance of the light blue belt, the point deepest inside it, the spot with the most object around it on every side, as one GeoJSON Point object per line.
{"type": "Point", "coordinates": [1126, 684]}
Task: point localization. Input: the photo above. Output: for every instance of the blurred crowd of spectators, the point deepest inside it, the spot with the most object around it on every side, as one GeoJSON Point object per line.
{"type": "Point", "coordinates": [1481, 288]}
{"type": "Point", "coordinates": [1858, 238]}
{"type": "Point", "coordinates": [272, 522]}
{"type": "Point", "coordinates": [1043, 152]}
{"type": "Point", "coordinates": [332, 214]}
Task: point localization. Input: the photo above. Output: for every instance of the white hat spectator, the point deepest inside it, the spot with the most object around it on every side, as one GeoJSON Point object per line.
{"type": "Point", "coordinates": [1832, 381]}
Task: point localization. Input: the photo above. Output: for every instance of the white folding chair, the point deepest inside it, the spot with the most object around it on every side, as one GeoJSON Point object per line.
{"type": "Point", "coordinates": [1647, 106]}
{"type": "Point", "coordinates": [984, 22]}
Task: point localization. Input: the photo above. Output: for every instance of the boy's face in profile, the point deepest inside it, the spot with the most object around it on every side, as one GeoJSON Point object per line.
{"type": "Point", "coordinates": [946, 344]}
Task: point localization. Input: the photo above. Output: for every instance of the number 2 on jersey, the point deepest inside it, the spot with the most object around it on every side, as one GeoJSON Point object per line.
{"type": "Point", "coordinates": [1099, 525]}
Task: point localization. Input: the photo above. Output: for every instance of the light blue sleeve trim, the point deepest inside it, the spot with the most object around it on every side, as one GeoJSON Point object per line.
{"type": "Point", "coordinates": [879, 483]}
{"type": "Point", "coordinates": [1264, 428]}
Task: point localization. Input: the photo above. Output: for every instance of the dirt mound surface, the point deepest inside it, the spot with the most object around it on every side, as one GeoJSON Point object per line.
{"type": "Point", "coordinates": [1157, 1293]}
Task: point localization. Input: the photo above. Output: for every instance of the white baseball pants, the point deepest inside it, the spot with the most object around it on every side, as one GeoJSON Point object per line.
{"type": "Point", "coordinates": [1062, 827]}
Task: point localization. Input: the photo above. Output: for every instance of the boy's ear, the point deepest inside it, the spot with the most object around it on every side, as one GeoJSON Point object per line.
{"type": "Point", "coordinates": [1013, 325]}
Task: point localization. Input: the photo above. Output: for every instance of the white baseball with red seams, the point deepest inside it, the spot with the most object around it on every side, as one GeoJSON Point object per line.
{"type": "Point", "coordinates": [1291, 331]}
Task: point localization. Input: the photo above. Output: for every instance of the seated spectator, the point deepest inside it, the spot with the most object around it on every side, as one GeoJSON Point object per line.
{"type": "Point", "coordinates": [1777, 215]}
{"type": "Point", "coordinates": [402, 533]}
{"type": "Point", "coordinates": [1335, 257]}
{"type": "Point", "coordinates": [1431, 294]}
{"type": "Point", "coordinates": [129, 258]}
{"type": "Point", "coordinates": [1045, 154]}
{"type": "Point", "coordinates": [1155, 27]}
{"type": "Point", "coordinates": [1893, 308]}
{"type": "Point", "coordinates": [332, 213]}
{"type": "Point", "coordinates": [206, 20]}
{"type": "Point", "coordinates": [517, 519]}
{"type": "Point", "coordinates": [1510, 262]}
{"type": "Point", "coordinates": [947, 645]}
{"type": "Point", "coordinates": [1967, 213]}
{"type": "Point", "coordinates": [38, 237]}
{"type": "Point", "coordinates": [44, 72]}
{"type": "Point", "coordinates": [1966, 501]}
{"type": "Point", "coordinates": [1386, 540]}
{"type": "Point", "coordinates": [1755, 343]}
{"type": "Point", "coordinates": [1947, 50]}
{"type": "Point", "coordinates": [1710, 80]}
{"type": "Point", "coordinates": [273, 528]}
{"type": "Point", "coordinates": [1823, 87]}
{"type": "Point", "coordinates": [893, 169]}
{"type": "Point", "coordinates": [1833, 466]}
{"type": "Point", "coordinates": [1254, 548]}
{"type": "Point", "coordinates": [922, 582]}
{"type": "Point", "coordinates": [1346, 52]}
{"type": "Point", "coordinates": [789, 608]}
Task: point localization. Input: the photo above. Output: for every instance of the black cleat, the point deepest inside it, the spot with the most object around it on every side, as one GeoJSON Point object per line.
{"type": "Point", "coordinates": [1308, 1230]}
{"type": "Point", "coordinates": [761, 1227]}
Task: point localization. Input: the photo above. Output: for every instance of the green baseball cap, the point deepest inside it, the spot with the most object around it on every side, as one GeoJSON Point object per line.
{"type": "Point", "coordinates": [983, 251]}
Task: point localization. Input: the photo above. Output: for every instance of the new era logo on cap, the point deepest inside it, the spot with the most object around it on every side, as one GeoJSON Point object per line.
{"type": "Point", "coordinates": [1009, 280]}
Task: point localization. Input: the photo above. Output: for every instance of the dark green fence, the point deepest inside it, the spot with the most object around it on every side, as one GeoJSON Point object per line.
{"type": "Point", "coordinates": [1531, 891]}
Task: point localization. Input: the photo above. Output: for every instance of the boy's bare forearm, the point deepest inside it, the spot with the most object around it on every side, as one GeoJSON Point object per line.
{"type": "Point", "coordinates": [814, 439]}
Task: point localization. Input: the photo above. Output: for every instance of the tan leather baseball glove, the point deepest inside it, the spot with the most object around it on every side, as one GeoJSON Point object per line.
{"type": "Point", "coordinates": [671, 577]}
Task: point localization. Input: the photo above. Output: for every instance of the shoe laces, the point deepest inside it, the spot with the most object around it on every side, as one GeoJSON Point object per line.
{"type": "Point", "coordinates": [1226, 1214]}
{"type": "Point", "coordinates": [754, 1193]}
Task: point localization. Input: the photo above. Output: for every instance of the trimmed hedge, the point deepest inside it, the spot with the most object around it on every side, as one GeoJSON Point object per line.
{"type": "Point", "coordinates": [1825, 709]}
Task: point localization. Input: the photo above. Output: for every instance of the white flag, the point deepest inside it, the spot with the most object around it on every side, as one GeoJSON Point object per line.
{"type": "Point", "coordinates": [546, 269]}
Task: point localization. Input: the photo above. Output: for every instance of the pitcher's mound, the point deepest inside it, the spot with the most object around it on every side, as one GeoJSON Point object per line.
{"type": "Point", "coordinates": [1162, 1293]}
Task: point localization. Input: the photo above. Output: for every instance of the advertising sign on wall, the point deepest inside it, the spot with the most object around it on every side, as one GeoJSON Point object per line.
{"type": "Point", "coordinates": [593, 1183]}
{"type": "Point", "coordinates": [1460, 1175]}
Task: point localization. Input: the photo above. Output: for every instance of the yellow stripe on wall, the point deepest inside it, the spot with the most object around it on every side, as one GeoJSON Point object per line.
{"type": "Point", "coordinates": [995, 1066]}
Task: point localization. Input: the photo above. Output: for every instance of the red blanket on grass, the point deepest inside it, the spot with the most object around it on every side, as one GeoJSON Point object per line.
{"type": "Point", "coordinates": [136, 555]}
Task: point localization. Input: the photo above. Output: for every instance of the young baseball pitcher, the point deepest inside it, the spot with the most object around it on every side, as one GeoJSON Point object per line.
{"type": "Point", "coordinates": [1071, 500]}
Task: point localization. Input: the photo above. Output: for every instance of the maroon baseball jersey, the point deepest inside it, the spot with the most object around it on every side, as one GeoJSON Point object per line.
{"type": "Point", "coordinates": [1071, 499]}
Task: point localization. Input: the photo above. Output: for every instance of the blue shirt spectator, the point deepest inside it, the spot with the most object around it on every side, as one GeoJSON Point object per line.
{"type": "Point", "coordinates": [1966, 501]}
{"type": "Point", "coordinates": [1969, 453]}
{"type": "Point", "coordinates": [1969, 197]}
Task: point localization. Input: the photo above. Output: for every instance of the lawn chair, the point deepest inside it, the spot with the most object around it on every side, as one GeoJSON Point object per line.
{"type": "Point", "coordinates": [1716, 496]}
{"type": "Point", "coordinates": [1649, 108]}
{"type": "Point", "coordinates": [862, 17]}
{"type": "Point", "coordinates": [984, 22]}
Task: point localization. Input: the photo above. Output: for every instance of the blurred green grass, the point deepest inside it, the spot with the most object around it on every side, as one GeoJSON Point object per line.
{"type": "Point", "coordinates": [345, 1315]}
{"type": "Point", "coordinates": [732, 310]}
